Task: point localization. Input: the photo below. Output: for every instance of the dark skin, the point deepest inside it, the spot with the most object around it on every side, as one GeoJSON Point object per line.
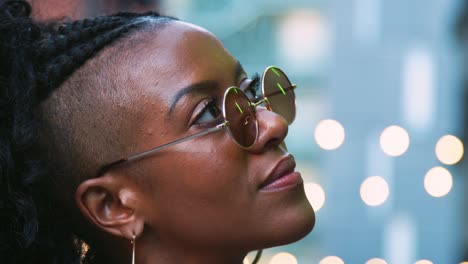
{"type": "Point", "coordinates": [198, 201]}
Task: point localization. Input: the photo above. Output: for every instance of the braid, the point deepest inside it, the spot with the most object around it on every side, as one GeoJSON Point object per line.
{"type": "Point", "coordinates": [35, 60]}
{"type": "Point", "coordinates": [86, 43]}
{"type": "Point", "coordinates": [18, 212]}
{"type": "Point", "coordinates": [68, 34]}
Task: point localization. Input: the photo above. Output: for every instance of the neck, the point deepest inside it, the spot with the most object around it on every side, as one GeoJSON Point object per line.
{"type": "Point", "coordinates": [167, 253]}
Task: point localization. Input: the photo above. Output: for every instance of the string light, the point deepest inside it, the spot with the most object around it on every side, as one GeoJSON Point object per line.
{"type": "Point", "coordinates": [449, 149]}
{"type": "Point", "coordinates": [331, 260]}
{"type": "Point", "coordinates": [438, 182]}
{"type": "Point", "coordinates": [394, 141]}
{"type": "Point", "coordinates": [374, 191]}
{"type": "Point", "coordinates": [329, 134]}
{"type": "Point", "coordinates": [283, 258]}
{"type": "Point", "coordinates": [315, 195]}
{"type": "Point", "coordinates": [376, 261]}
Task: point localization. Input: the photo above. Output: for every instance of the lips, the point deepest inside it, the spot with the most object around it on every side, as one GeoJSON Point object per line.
{"type": "Point", "coordinates": [282, 174]}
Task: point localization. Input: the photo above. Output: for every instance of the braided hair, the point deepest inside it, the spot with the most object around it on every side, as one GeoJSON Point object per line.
{"type": "Point", "coordinates": [35, 60]}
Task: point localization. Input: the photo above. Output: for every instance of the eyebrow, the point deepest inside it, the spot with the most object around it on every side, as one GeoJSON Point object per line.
{"type": "Point", "coordinates": [202, 87]}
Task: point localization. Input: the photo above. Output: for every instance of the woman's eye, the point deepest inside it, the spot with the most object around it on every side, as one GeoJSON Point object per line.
{"type": "Point", "coordinates": [209, 114]}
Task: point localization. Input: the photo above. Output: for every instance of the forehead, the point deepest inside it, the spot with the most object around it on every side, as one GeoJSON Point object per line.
{"type": "Point", "coordinates": [175, 56]}
{"type": "Point", "coordinates": [154, 64]}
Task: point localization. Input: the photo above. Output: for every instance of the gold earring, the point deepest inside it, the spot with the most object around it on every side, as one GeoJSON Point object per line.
{"type": "Point", "coordinates": [133, 241]}
{"type": "Point", "coordinates": [257, 256]}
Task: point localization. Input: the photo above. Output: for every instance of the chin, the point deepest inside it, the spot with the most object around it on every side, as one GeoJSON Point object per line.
{"type": "Point", "coordinates": [295, 225]}
{"type": "Point", "coordinates": [300, 225]}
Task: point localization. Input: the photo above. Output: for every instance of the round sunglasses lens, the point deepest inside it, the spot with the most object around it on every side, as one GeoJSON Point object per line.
{"type": "Point", "coordinates": [241, 117]}
{"type": "Point", "coordinates": [280, 93]}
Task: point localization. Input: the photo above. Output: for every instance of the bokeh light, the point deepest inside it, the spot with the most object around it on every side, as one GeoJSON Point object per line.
{"type": "Point", "coordinates": [331, 260]}
{"type": "Point", "coordinates": [299, 44]}
{"type": "Point", "coordinates": [376, 261]}
{"type": "Point", "coordinates": [419, 74]}
{"type": "Point", "coordinates": [315, 194]}
{"type": "Point", "coordinates": [283, 258]}
{"type": "Point", "coordinates": [394, 141]}
{"type": "Point", "coordinates": [423, 261]}
{"type": "Point", "coordinates": [438, 182]}
{"type": "Point", "coordinates": [374, 191]}
{"type": "Point", "coordinates": [449, 149]}
{"type": "Point", "coordinates": [329, 134]}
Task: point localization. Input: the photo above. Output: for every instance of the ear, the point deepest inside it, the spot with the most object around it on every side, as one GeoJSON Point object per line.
{"type": "Point", "coordinates": [111, 203]}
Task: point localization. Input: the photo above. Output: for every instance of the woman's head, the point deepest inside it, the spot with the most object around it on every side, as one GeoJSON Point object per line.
{"type": "Point", "coordinates": [125, 84]}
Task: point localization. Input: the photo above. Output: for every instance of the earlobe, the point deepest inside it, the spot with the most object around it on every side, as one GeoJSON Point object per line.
{"type": "Point", "coordinates": [110, 205]}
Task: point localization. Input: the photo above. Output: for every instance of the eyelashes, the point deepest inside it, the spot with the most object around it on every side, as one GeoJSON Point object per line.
{"type": "Point", "coordinates": [253, 89]}
{"type": "Point", "coordinates": [255, 84]}
{"type": "Point", "coordinates": [210, 114]}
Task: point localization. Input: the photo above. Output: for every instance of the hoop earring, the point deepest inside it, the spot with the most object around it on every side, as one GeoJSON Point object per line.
{"type": "Point", "coordinates": [257, 256]}
{"type": "Point", "coordinates": [133, 241]}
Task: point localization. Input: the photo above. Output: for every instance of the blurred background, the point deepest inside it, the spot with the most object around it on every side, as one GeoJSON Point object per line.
{"type": "Point", "coordinates": [381, 107]}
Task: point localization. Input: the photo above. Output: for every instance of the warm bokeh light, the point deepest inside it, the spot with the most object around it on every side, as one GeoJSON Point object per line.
{"type": "Point", "coordinates": [423, 261]}
{"type": "Point", "coordinates": [329, 134]}
{"type": "Point", "coordinates": [283, 258]}
{"type": "Point", "coordinates": [299, 44]}
{"type": "Point", "coordinates": [315, 195]}
{"type": "Point", "coordinates": [394, 141]}
{"type": "Point", "coordinates": [449, 149]}
{"type": "Point", "coordinates": [376, 261]}
{"type": "Point", "coordinates": [464, 262]}
{"type": "Point", "coordinates": [374, 191]}
{"type": "Point", "coordinates": [438, 182]}
{"type": "Point", "coordinates": [331, 260]}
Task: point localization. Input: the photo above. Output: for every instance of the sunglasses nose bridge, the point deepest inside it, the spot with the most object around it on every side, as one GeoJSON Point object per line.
{"type": "Point", "coordinates": [255, 104]}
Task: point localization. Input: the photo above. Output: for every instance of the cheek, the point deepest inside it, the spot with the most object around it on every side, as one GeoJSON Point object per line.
{"type": "Point", "coordinates": [207, 174]}
{"type": "Point", "coordinates": [199, 189]}
{"type": "Point", "coordinates": [206, 171]}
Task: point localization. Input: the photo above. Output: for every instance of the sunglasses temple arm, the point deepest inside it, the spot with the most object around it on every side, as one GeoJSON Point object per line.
{"type": "Point", "coordinates": [151, 151]}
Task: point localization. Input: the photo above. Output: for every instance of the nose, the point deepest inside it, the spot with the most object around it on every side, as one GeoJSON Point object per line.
{"type": "Point", "coordinates": [272, 130]}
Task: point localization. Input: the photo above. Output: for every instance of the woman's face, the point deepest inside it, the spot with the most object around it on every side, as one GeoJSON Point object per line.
{"type": "Point", "coordinates": [206, 192]}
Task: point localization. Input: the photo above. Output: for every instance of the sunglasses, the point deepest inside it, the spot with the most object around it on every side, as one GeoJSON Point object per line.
{"type": "Point", "coordinates": [239, 113]}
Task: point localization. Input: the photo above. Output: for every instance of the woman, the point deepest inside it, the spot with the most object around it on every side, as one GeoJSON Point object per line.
{"type": "Point", "coordinates": [81, 105]}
